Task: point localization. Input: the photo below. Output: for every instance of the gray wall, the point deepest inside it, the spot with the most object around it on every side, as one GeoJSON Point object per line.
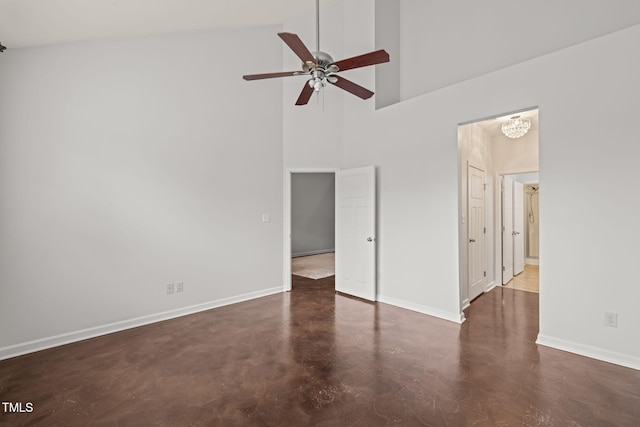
{"type": "Point", "coordinates": [312, 213]}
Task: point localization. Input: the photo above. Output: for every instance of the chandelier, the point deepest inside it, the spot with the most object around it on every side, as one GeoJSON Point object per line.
{"type": "Point", "coordinates": [516, 127]}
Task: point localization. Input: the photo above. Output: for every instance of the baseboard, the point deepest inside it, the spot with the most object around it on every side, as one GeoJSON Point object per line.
{"type": "Point", "coordinates": [318, 252]}
{"type": "Point", "coordinates": [490, 287]}
{"type": "Point", "coordinates": [435, 312]}
{"type": "Point", "coordinates": [532, 261]}
{"type": "Point", "coordinates": [591, 352]}
{"type": "Point", "coordinates": [466, 304]}
{"type": "Point", "coordinates": [45, 343]}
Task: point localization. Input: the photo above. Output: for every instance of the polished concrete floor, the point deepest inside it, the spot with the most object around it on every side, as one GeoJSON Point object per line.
{"type": "Point", "coordinates": [314, 358]}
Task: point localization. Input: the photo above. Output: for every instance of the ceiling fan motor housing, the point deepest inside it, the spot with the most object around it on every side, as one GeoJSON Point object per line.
{"type": "Point", "coordinates": [324, 59]}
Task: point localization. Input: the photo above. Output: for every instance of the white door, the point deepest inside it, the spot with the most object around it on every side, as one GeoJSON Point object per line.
{"type": "Point", "coordinates": [518, 228]}
{"type": "Point", "coordinates": [355, 232]}
{"type": "Point", "coordinates": [507, 230]}
{"type": "Point", "coordinates": [476, 232]}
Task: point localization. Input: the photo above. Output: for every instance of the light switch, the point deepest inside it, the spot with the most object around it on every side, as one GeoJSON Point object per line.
{"type": "Point", "coordinates": [266, 217]}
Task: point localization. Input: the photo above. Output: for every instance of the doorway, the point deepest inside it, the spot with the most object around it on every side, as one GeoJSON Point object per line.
{"type": "Point", "coordinates": [355, 227]}
{"type": "Point", "coordinates": [309, 249]}
{"type": "Point", "coordinates": [313, 225]}
{"type": "Point", "coordinates": [484, 146]}
{"type": "Point", "coordinates": [520, 219]}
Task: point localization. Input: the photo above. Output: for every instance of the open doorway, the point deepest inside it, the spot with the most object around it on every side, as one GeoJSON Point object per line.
{"type": "Point", "coordinates": [309, 250]}
{"type": "Point", "coordinates": [485, 155]}
{"type": "Point", "coordinates": [313, 225]}
{"type": "Point", "coordinates": [520, 236]}
{"type": "Point", "coordinates": [354, 235]}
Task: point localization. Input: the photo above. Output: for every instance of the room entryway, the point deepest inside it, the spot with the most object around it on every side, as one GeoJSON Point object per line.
{"type": "Point", "coordinates": [312, 217]}
{"type": "Point", "coordinates": [498, 181]}
{"type": "Point", "coordinates": [520, 225]}
{"type": "Point", "coordinates": [332, 212]}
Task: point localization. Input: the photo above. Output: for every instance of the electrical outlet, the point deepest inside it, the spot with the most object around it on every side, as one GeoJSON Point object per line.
{"type": "Point", "coordinates": [611, 319]}
{"type": "Point", "coordinates": [170, 288]}
{"type": "Point", "coordinates": [179, 286]}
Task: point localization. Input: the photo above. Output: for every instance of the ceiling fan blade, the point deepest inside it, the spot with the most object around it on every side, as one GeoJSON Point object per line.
{"type": "Point", "coordinates": [296, 45]}
{"type": "Point", "coordinates": [371, 58]}
{"type": "Point", "coordinates": [353, 88]}
{"type": "Point", "coordinates": [305, 95]}
{"type": "Point", "coordinates": [270, 75]}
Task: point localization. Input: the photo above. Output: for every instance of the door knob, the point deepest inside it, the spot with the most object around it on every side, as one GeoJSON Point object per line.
{"type": "Point", "coordinates": [472, 240]}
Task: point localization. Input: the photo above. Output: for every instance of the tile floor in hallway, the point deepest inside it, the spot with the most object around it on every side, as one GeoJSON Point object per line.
{"type": "Point", "coordinates": [528, 280]}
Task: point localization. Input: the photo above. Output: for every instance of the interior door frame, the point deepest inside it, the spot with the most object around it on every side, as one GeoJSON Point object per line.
{"type": "Point", "coordinates": [286, 219]}
{"type": "Point", "coordinates": [498, 216]}
{"type": "Point", "coordinates": [484, 238]}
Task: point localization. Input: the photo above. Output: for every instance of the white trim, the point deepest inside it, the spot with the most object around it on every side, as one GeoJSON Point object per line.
{"type": "Point", "coordinates": [588, 351]}
{"type": "Point", "coordinates": [468, 122]}
{"type": "Point", "coordinates": [70, 337]}
{"type": "Point", "coordinates": [286, 219]}
{"type": "Point", "coordinates": [435, 312]}
{"type": "Point", "coordinates": [466, 304]}
{"type": "Point", "coordinates": [318, 252]}
{"type": "Point", "coordinates": [532, 261]}
{"type": "Point", "coordinates": [490, 286]}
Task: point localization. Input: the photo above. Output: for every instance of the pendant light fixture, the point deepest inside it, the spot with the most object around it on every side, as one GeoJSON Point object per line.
{"type": "Point", "coordinates": [516, 127]}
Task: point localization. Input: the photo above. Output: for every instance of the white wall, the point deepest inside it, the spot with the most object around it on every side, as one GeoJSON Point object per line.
{"type": "Point", "coordinates": [413, 144]}
{"type": "Point", "coordinates": [516, 155]}
{"type": "Point", "coordinates": [445, 42]}
{"type": "Point", "coordinates": [129, 164]}
{"type": "Point", "coordinates": [388, 75]}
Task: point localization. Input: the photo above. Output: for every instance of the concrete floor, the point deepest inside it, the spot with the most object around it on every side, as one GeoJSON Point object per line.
{"type": "Point", "coordinates": [315, 358]}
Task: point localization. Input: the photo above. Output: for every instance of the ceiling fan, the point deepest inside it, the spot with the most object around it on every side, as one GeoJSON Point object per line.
{"type": "Point", "coordinates": [320, 67]}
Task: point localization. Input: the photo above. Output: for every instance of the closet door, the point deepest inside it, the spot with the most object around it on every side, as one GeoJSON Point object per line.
{"type": "Point", "coordinates": [507, 230]}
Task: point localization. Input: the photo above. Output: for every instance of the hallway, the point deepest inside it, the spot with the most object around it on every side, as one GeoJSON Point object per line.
{"type": "Point", "coordinates": [314, 357]}
{"type": "Point", "coordinates": [528, 280]}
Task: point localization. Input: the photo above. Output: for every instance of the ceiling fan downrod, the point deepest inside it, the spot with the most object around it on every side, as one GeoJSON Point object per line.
{"type": "Point", "coordinates": [317, 25]}
{"type": "Point", "coordinates": [318, 79]}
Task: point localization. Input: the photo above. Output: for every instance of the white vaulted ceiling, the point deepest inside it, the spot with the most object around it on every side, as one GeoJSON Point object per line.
{"type": "Point", "coordinates": [40, 22]}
